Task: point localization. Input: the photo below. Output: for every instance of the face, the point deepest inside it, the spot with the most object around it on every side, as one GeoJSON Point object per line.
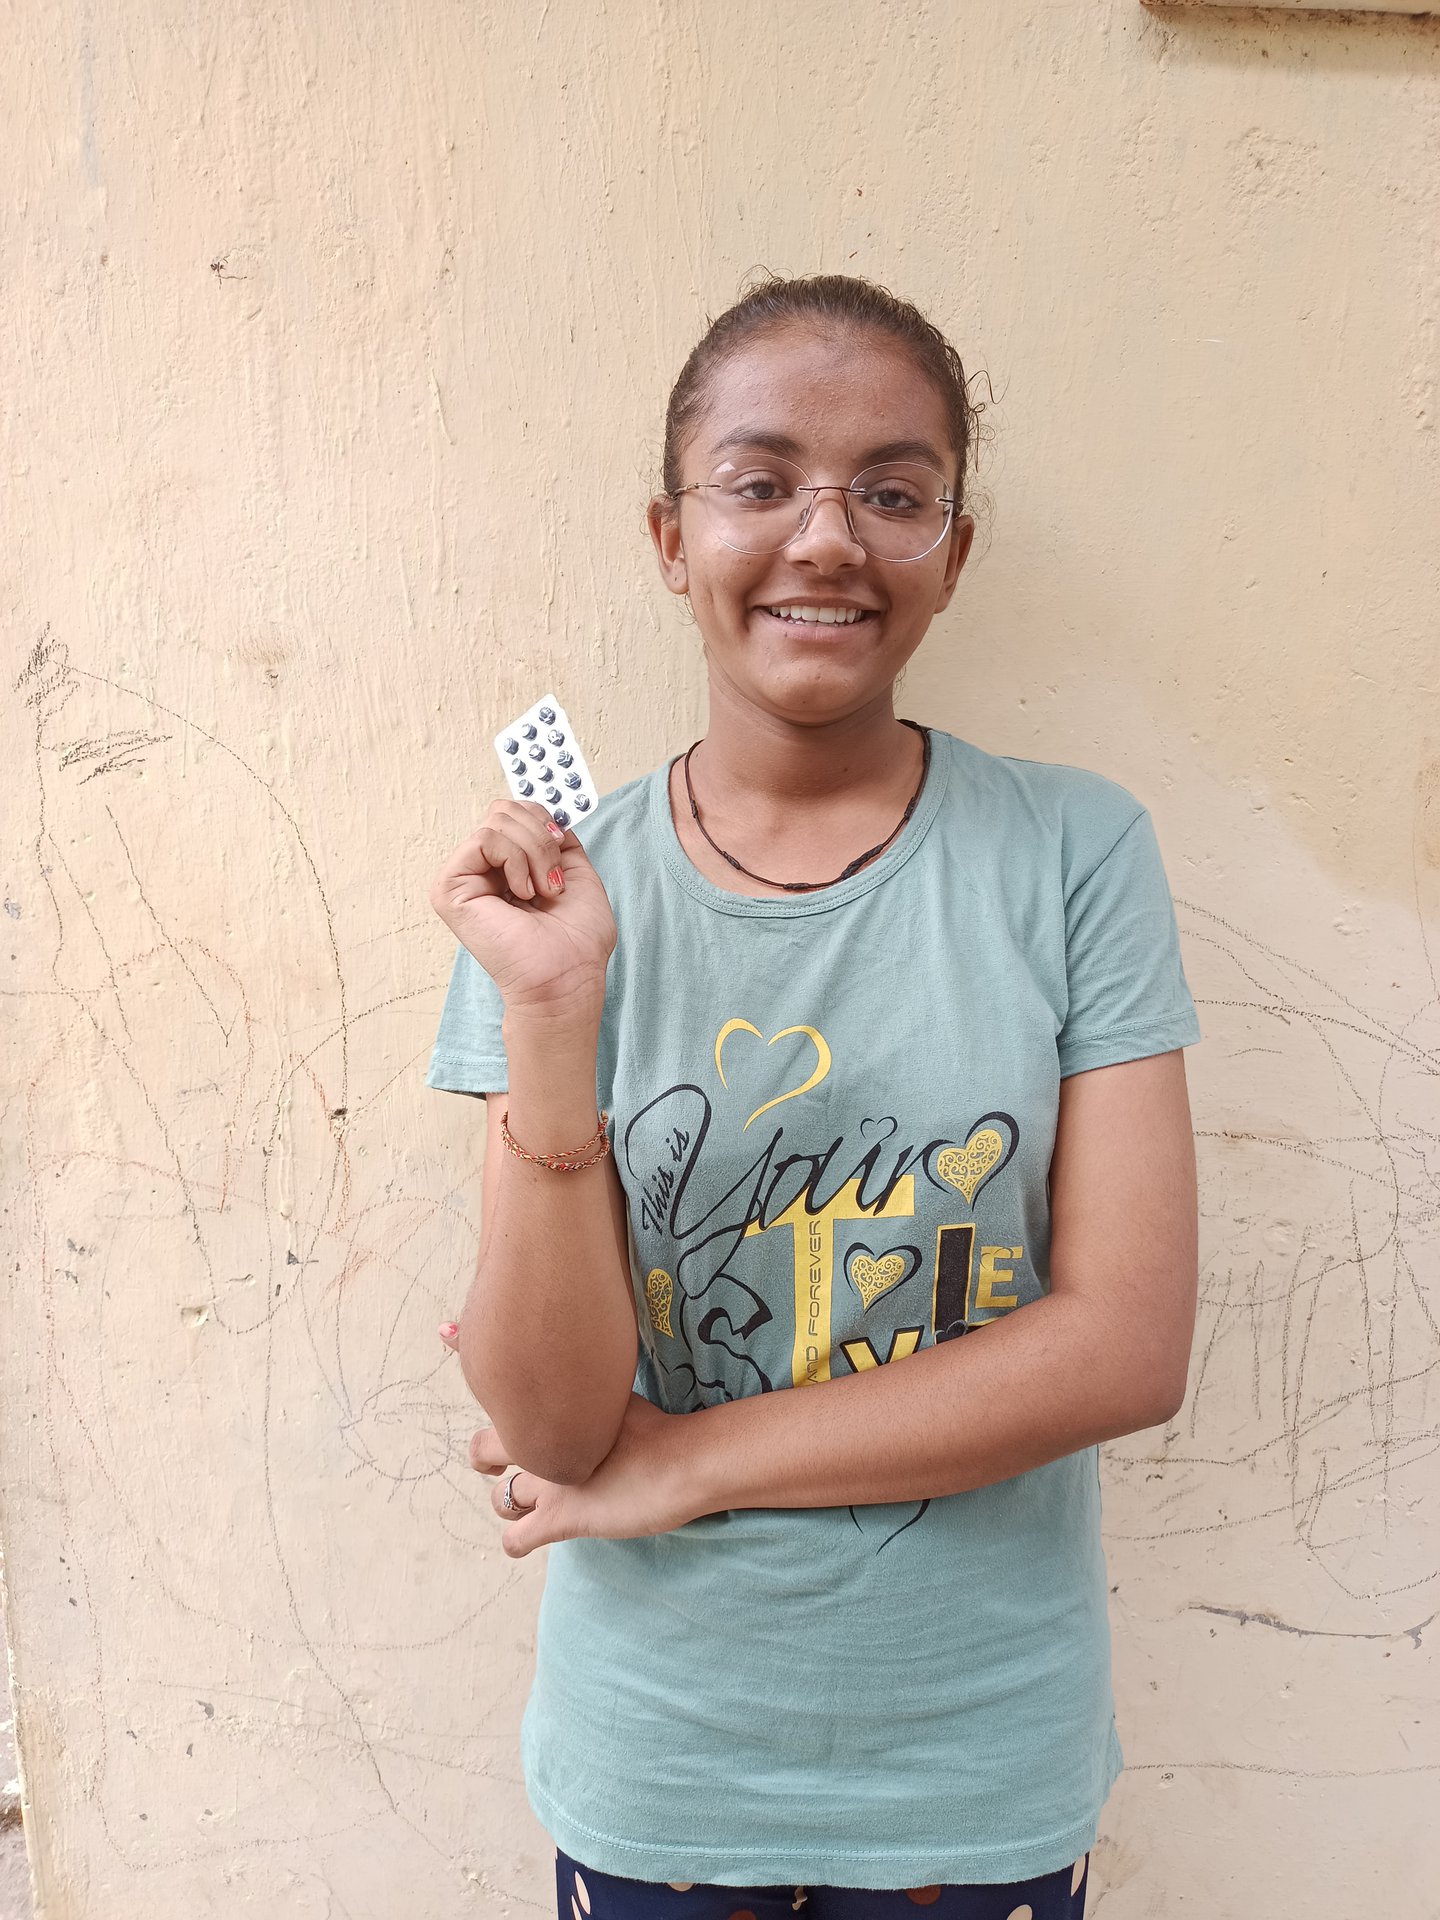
{"type": "Point", "coordinates": [834, 403]}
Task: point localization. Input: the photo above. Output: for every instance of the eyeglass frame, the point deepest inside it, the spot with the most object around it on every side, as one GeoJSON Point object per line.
{"type": "Point", "coordinates": [946, 500]}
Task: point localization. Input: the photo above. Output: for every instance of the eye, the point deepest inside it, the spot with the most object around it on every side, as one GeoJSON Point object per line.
{"type": "Point", "coordinates": [892, 495]}
{"type": "Point", "coordinates": [757, 487]}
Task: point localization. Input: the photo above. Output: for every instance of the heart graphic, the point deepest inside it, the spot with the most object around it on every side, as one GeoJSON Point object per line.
{"type": "Point", "coordinates": [872, 1274]}
{"type": "Point", "coordinates": [985, 1151]}
{"type": "Point", "coordinates": [889, 1522]}
{"type": "Point", "coordinates": [817, 1039]}
{"type": "Point", "coordinates": [659, 1291]}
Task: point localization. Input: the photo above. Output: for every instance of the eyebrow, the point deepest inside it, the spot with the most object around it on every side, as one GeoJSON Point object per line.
{"type": "Point", "coordinates": [790, 449]}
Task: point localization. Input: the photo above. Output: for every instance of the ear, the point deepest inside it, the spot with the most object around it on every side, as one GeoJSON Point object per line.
{"type": "Point", "coordinates": [962, 535]}
{"type": "Point", "coordinates": [662, 517]}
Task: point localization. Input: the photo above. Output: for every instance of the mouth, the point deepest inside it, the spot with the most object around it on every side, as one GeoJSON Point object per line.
{"type": "Point", "coordinates": [810, 618]}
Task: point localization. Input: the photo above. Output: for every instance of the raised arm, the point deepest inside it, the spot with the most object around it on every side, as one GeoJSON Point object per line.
{"type": "Point", "coordinates": [547, 1336]}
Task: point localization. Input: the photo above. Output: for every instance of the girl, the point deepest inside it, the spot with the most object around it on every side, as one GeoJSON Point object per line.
{"type": "Point", "coordinates": [884, 1033]}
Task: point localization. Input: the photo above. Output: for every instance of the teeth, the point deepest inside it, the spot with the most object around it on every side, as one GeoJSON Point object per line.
{"type": "Point", "coordinates": [819, 616]}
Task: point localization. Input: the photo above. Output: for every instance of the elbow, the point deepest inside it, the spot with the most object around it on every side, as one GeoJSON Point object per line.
{"type": "Point", "coordinates": [557, 1444]}
{"type": "Point", "coordinates": [564, 1457]}
{"type": "Point", "coordinates": [562, 1462]}
{"type": "Point", "coordinates": [1163, 1399]}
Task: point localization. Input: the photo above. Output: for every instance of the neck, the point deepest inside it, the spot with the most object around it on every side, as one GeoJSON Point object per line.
{"type": "Point", "coordinates": [776, 764]}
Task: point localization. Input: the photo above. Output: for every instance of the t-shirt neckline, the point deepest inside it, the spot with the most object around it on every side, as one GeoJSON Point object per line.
{"type": "Point", "coordinates": [795, 906]}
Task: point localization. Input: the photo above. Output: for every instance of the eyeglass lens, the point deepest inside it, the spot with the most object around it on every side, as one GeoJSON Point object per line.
{"type": "Point", "coordinates": [898, 511]}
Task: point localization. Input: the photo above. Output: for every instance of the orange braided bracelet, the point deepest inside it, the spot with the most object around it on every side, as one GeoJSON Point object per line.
{"type": "Point", "coordinates": [574, 1161]}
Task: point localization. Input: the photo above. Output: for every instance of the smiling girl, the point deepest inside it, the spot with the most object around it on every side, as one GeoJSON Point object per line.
{"type": "Point", "coordinates": [883, 1032]}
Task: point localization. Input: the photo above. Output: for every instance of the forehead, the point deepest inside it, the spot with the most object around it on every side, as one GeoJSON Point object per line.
{"type": "Point", "coordinates": [837, 395]}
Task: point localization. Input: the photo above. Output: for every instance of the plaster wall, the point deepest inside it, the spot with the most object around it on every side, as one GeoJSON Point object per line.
{"type": "Point", "coordinates": [336, 341]}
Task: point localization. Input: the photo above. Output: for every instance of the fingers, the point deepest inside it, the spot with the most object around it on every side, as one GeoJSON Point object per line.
{"type": "Point", "coordinates": [527, 1525]}
{"type": "Point", "coordinates": [513, 852]}
{"type": "Point", "coordinates": [517, 840]}
{"type": "Point", "coordinates": [523, 1485]}
{"type": "Point", "coordinates": [487, 1452]}
{"type": "Point", "coordinates": [522, 1536]}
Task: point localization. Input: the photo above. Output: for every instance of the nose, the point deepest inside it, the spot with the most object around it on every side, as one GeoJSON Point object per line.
{"type": "Point", "coordinates": [825, 538]}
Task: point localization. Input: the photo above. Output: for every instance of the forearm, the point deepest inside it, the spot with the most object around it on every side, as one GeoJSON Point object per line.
{"type": "Point", "coordinates": [1049, 1379]}
{"type": "Point", "coordinates": [547, 1336]}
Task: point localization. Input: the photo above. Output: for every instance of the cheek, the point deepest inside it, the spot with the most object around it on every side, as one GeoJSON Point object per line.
{"type": "Point", "coordinates": [922, 595]}
{"type": "Point", "coordinates": [719, 578]}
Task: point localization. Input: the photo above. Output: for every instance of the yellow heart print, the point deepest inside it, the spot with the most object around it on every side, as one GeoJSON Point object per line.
{"type": "Point", "coordinates": [874, 1277]}
{"type": "Point", "coordinates": [659, 1291]}
{"type": "Point", "coordinates": [965, 1167]}
{"type": "Point", "coordinates": [816, 1039]}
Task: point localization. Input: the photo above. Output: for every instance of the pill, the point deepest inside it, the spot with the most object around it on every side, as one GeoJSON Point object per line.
{"type": "Point", "coordinates": [555, 737]}
{"type": "Point", "coordinates": [552, 794]}
{"type": "Point", "coordinates": [547, 714]}
{"type": "Point", "coordinates": [528, 732]}
{"type": "Point", "coordinates": [564, 759]}
{"type": "Point", "coordinates": [582, 805]}
{"type": "Point", "coordinates": [526, 789]}
{"type": "Point", "coordinates": [560, 817]}
{"type": "Point", "coordinates": [572, 779]}
{"type": "Point", "coordinates": [509, 746]}
{"type": "Point", "coordinates": [537, 753]}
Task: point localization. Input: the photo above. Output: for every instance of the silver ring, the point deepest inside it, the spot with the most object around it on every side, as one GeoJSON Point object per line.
{"type": "Point", "coordinates": [509, 1501]}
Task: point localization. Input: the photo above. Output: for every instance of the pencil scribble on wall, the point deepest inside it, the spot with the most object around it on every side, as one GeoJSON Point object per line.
{"type": "Point", "coordinates": [232, 1243]}
{"type": "Point", "coordinates": [1317, 1341]}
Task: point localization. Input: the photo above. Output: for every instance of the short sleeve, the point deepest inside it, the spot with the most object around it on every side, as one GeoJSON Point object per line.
{"type": "Point", "coordinates": [1127, 993]}
{"type": "Point", "coordinates": [469, 1054]}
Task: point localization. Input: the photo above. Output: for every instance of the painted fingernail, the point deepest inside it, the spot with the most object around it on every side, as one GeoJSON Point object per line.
{"type": "Point", "coordinates": [449, 1330]}
{"type": "Point", "coordinates": [559, 832]}
{"type": "Point", "coordinates": [556, 879]}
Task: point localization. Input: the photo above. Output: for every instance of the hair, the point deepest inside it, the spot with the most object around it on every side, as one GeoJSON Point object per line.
{"type": "Point", "coordinates": [824, 301]}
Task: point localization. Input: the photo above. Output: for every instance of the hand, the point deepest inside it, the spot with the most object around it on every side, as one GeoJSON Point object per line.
{"type": "Point", "coordinates": [521, 895]}
{"type": "Point", "coordinates": [643, 1486]}
{"type": "Point", "coordinates": [639, 1488]}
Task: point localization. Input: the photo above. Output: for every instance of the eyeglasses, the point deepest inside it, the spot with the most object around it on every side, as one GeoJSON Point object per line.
{"type": "Point", "coordinates": [895, 511]}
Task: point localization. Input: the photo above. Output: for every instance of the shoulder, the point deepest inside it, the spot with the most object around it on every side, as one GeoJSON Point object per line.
{"type": "Point", "coordinates": [1078, 814]}
{"type": "Point", "coordinates": [618, 835]}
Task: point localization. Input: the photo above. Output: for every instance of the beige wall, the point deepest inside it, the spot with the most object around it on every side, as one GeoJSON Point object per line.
{"type": "Point", "coordinates": [336, 340]}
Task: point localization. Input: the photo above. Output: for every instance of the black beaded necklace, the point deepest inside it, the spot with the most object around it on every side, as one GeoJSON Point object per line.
{"type": "Point", "coordinates": [814, 886]}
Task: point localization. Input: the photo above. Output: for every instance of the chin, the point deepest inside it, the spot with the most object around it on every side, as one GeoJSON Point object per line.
{"type": "Point", "coordinates": [817, 698]}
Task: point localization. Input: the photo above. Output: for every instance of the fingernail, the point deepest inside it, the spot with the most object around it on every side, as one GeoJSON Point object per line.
{"type": "Point", "coordinates": [556, 879]}
{"type": "Point", "coordinates": [559, 832]}
{"type": "Point", "coordinates": [449, 1330]}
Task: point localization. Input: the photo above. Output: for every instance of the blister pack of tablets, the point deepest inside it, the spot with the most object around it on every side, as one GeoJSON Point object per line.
{"type": "Point", "coordinates": [543, 762]}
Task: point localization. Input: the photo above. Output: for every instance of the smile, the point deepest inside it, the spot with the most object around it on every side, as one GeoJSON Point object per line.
{"type": "Point", "coordinates": [820, 616]}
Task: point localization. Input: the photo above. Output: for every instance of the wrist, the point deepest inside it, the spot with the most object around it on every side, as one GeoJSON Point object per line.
{"type": "Point", "coordinates": [693, 1464]}
{"type": "Point", "coordinates": [553, 1103]}
{"type": "Point", "coordinates": [552, 1054]}
{"type": "Point", "coordinates": [567, 1018]}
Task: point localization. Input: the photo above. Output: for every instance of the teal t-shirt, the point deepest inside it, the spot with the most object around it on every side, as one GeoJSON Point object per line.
{"type": "Point", "coordinates": [833, 1117]}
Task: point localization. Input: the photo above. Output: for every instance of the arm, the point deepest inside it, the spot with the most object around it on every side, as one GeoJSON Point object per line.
{"type": "Point", "coordinates": [547, 1337]}
{"type": "Point", "coordinates": [1106, 1352]}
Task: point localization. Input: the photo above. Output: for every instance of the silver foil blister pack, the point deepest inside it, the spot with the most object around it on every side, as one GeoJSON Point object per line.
{"type": "Point", "coordinates": [543, 762]}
